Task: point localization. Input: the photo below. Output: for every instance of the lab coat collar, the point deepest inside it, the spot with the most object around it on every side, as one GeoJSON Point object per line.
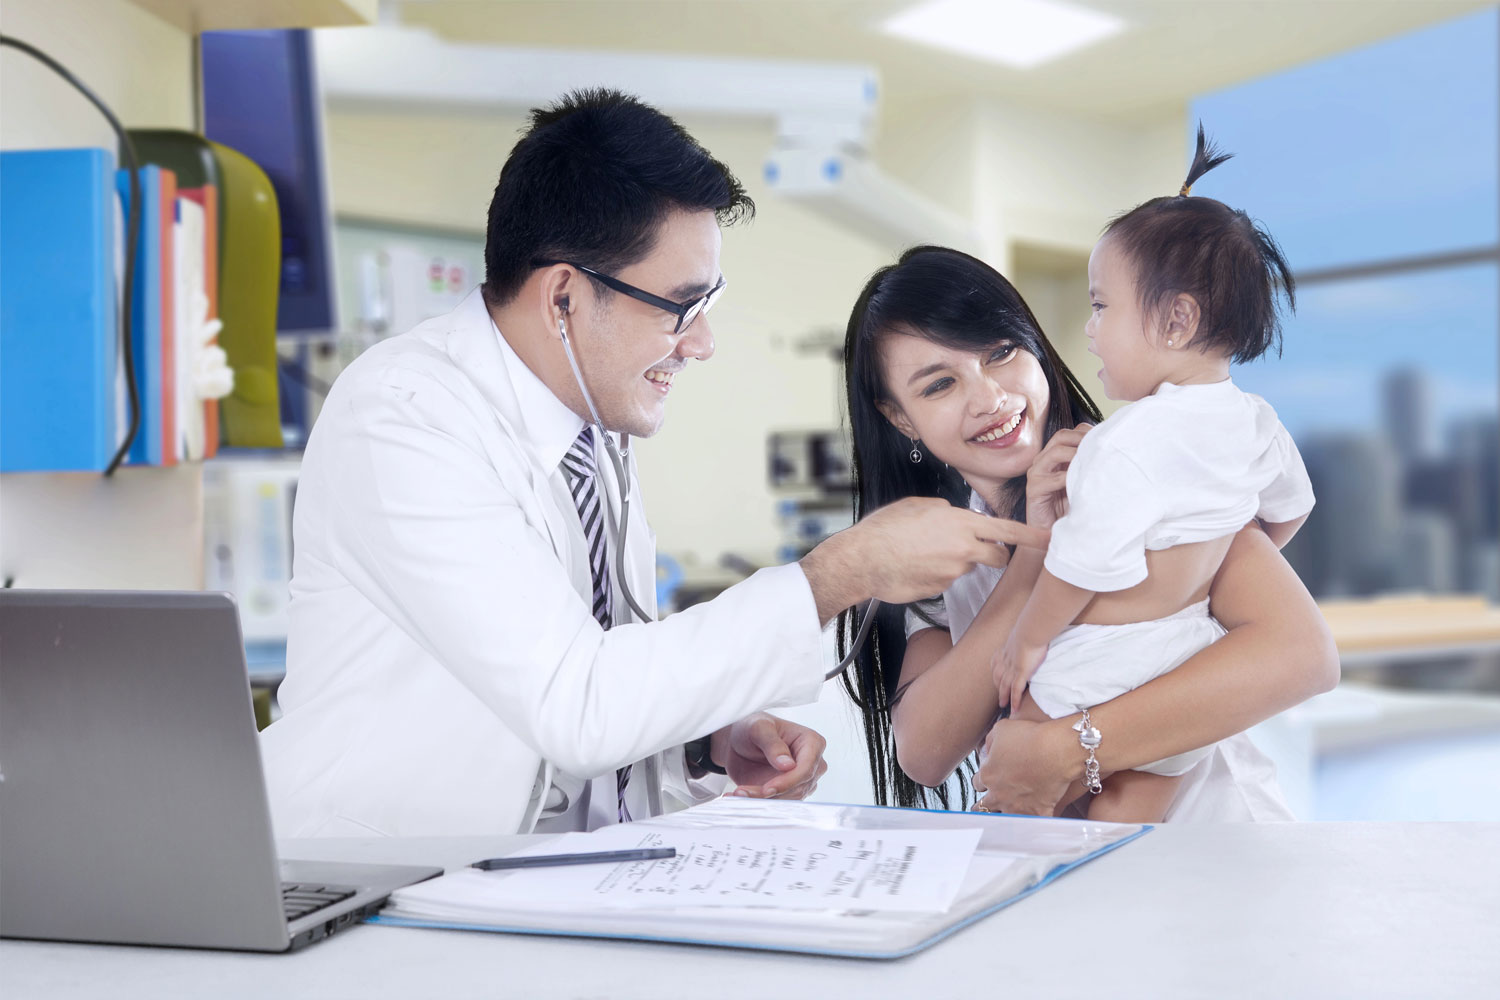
{"type": "Point", "coordinates": [549, 427]}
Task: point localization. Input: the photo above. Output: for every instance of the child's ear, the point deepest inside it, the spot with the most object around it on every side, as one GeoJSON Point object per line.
{"type": "Point", "coordinates": [1182, 315]}
{"type": "Point", "coordinates": [897, 417]}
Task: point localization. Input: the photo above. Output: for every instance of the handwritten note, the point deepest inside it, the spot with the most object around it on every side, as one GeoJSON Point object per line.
{"type": "Point", "coordinates": [841, 869]}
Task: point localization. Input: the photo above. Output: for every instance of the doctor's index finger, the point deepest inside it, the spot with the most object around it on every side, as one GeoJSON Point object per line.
{"type": "Point", "coordinates": [999, 529]}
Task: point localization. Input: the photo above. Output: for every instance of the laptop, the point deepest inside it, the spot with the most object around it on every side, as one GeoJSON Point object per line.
{"type": "Point", "coordinates": [133, 806]}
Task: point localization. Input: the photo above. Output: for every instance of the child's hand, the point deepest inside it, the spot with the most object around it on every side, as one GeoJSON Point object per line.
{"type": "Point", "coordinates": [1014, 666]}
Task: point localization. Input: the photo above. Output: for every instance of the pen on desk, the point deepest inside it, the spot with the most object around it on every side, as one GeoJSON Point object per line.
{"type": "Point", "coordinates": [592, 858]}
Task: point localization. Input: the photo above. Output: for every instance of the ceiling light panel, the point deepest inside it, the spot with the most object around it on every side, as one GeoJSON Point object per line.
{"type": "Point", "coordinates": [1018, 33]}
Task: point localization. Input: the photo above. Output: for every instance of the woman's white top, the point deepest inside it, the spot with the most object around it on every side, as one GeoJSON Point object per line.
{"type": "Point", "coordinates": [1189, 463]}
{"type": "Point", "coordinates": [1236, 783]}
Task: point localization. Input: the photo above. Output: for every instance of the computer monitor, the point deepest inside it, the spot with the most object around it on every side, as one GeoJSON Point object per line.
{"type": "Point", "coordinates": [261, 97]}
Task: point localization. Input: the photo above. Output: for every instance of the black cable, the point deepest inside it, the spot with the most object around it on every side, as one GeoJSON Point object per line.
{"type": "Point", "coordinates": [133, 228]}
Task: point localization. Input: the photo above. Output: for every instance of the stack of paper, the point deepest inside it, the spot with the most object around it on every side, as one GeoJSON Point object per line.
{"type": "Point", "coordinates": [915, 871]}
{"type": "Point", "coordinates": [842, 880]}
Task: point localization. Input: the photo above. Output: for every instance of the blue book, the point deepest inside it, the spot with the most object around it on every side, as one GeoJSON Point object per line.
{"type": "Point", "coordinates": [58, 332]}
{"type": "Point", "coordinates": [145, 334]}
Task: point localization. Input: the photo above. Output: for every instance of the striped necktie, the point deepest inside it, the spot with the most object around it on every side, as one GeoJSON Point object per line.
{"type": "Point", "coordinates": [579, 468]}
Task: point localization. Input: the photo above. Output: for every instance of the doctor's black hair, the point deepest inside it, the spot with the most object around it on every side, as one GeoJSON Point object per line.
{"type": "Point", "coordinates": [959, 301]}
{"type": "Point", "coordinates": [590, 181]}
{"type": "Point", "coordinates": [1201, 247]}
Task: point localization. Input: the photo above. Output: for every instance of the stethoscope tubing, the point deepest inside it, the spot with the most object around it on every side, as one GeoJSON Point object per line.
{"type": "Point", "coordinates": [617, 459]}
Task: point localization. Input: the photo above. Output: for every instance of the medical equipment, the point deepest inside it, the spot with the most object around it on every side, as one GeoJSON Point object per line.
{"type": "Point", "coordinates": [618, 458]}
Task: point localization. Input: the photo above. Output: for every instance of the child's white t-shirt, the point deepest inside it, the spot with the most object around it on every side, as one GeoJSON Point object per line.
{"type": "Point", "coordinates": [1188, 463]}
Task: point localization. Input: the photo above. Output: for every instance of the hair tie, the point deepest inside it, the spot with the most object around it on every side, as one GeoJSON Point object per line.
{"type": "Point", "coordinates": [1187, 189]}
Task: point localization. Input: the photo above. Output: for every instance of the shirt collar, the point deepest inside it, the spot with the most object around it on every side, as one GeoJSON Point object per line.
{"type": "Point", "coordinates": [550, 426]}
{"type": "Point", "coordinates": [1168, 388]}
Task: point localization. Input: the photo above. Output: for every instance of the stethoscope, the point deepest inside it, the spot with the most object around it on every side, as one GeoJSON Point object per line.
{"type": "Point", "coordinates": [618, 456]}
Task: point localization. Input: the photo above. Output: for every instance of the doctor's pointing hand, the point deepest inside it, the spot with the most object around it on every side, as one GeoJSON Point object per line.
{"type": "Point", "coordinates": [473, 645]}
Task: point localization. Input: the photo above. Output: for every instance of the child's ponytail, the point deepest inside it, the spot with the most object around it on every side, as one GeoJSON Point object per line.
{"type": "Point", "coordinates": [1205, 159]}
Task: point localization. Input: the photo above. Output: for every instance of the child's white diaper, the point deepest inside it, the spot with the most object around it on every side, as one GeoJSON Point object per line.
{"type": "Point", "coordinates": [1087, 665]}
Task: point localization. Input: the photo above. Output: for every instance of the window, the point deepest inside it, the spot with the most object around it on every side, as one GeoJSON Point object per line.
{"type": "Point", "coordinates": [1379, 173]}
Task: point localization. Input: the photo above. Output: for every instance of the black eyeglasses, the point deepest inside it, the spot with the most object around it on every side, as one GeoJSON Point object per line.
{"type": "Point", "coordinates": [686, 312]}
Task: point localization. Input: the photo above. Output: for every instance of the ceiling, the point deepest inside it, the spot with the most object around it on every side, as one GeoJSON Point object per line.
{"type": "Point", "coordinates": [1171, 50]}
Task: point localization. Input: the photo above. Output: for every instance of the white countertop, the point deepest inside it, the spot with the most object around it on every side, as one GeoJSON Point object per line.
{"type": "Point", "coordinates": [1278, 910]}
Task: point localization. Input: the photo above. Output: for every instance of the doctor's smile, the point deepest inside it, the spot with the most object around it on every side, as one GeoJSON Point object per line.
{"type": "Point", "coordinates": [662, 380]}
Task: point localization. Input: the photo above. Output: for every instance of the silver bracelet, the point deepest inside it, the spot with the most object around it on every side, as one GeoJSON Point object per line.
{"type": "Point", "coordinates": [1089, 738]}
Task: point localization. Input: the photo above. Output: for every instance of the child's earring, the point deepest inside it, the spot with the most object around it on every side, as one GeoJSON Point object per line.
{"type": "Point", "coordinates": [1169, 343]}
{"type": "Point", "coordinates": [916, 454]}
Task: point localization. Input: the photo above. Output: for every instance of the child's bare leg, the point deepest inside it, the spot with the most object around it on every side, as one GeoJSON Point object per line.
{"type": "Point", "coordinates": [1028, 711]}
{"type": "Point", "coordinates": [1133, 797]}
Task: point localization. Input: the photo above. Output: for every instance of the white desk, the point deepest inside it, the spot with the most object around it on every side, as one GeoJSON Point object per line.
{"type": "Point", "coordinates": [1294, 910]}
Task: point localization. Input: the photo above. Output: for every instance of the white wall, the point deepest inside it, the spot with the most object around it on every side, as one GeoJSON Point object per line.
{"type": "Point", "coordinates": [137, 63]}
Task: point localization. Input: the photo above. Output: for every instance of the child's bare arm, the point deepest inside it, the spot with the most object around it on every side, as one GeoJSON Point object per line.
{"type": "Point", "coordinates": [1052, 607]}
{"type": "Point", "coordinates": [1281, 532]}
{"type": "Point", "coordinates": [946, 702]}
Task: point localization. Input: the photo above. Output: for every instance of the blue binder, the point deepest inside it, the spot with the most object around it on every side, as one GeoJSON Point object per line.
{"type": "Point", "coordinates": [145, 334]}
{"type": "Point", "coordinates": [58, 330]}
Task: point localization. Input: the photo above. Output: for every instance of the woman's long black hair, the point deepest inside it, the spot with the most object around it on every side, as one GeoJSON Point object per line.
{"type": "Point", "coordinates": [960, 302]}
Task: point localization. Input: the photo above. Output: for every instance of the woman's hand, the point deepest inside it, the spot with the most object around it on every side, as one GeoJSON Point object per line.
{"type": "Point", "coordinates": [1046, 481]}
{"type": "Point", "coordinates": [1029, 767]}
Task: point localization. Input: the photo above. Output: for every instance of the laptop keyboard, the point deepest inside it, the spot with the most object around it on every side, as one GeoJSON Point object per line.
{"type": "Point", "coordinates": [300, 899]}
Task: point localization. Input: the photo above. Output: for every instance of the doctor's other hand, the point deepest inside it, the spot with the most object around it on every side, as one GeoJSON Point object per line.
{"type": "Point", "coordinates": [770, 758]}
{"type": "Point", "coordinates": [908, 550]}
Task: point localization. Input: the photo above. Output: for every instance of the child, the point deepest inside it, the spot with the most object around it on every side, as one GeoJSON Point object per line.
{"type": "Point", "coordinates": [1180, 288]}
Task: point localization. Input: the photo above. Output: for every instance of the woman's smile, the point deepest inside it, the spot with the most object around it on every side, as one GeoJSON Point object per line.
{"type": "Point", "coordinates": [1002, 433]}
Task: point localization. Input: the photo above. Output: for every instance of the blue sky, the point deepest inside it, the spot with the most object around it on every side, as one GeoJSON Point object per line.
{"type": "Point", "coordinates": [1385, 152]}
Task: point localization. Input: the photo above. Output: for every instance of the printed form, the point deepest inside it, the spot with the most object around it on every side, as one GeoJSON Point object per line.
{"type": "Point", "coordinates": [831, 869]}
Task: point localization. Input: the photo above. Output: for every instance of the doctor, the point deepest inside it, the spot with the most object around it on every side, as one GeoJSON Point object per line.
{"type": "Point", "coordinates": [462, 655]}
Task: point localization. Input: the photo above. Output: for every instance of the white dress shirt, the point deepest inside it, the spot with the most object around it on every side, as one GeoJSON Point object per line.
{"type": "Point", "coordinates": [444, 672]}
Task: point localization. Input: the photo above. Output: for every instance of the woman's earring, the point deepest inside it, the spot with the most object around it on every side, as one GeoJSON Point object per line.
{"type": "Point", "coordinates": [1169, 343]}
{"type": "Point", "coordinates": [916, 453]}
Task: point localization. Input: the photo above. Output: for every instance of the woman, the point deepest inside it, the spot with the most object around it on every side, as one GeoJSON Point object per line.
{"type": "Point", "coordinates": [953, 392]}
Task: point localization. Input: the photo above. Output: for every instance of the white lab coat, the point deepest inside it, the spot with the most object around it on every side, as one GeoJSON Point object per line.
{"type": "Point", "coordinates": [442, 661]}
